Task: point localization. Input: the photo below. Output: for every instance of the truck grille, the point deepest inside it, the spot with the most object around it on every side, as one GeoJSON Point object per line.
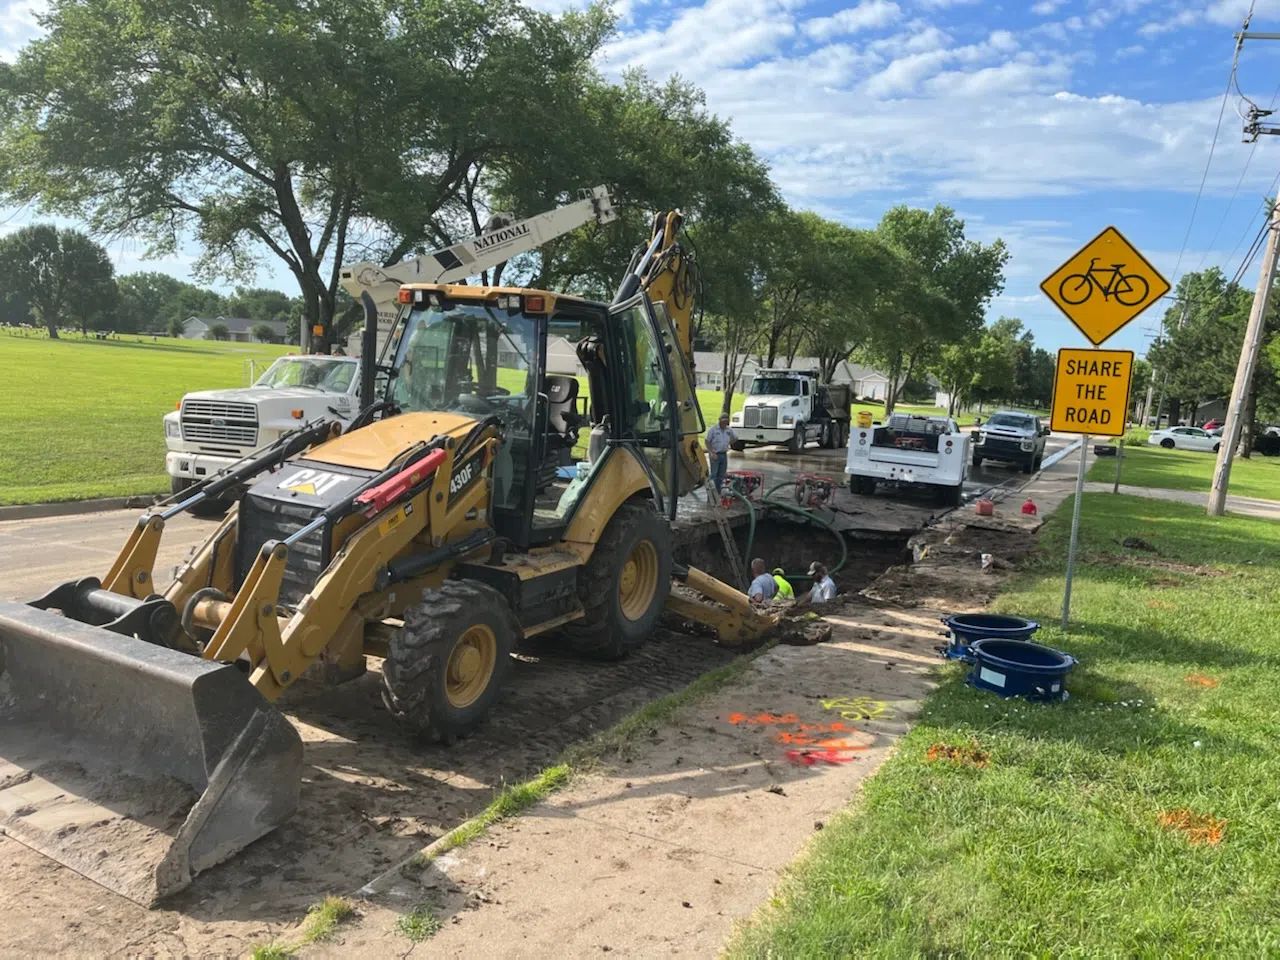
{"type": "Point", "coordinates": [264, 520]}
{"type": "Point", "coordinates": [758, 416]}
{"type": "Point", "coordinates": [215, 421]}
{"type": "Point", "coordinates": [1002, 445]}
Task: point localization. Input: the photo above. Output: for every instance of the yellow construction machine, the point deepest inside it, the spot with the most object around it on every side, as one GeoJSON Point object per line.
{"type": "Point", "coordinates": [453, 517]}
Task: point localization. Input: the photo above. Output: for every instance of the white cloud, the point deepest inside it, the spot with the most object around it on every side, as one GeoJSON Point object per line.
{"type": "Point", "coordinates": [18, 24]}
{"type": "Point", "coordinates": [1046, 7]}
{"type": "Point", "coordinates": [1130, 51]}
{"type": "Point", "coordinates": [865, 16]}
{"type": "Point", "coordinates": [1183, 18]}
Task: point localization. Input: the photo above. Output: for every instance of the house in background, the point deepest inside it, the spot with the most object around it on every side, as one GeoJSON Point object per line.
{"type": "Point", "coordinates": [239, 329]}
{"type": "Point", "coordinates": [709, 373]}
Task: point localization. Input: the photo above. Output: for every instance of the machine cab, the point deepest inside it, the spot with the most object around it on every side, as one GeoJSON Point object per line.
{"type": "Point", "coordinates": [569, 382]}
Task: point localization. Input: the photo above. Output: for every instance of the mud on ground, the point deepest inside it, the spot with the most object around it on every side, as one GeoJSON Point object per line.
{"type": "Point", "coordinates": [370, 798]}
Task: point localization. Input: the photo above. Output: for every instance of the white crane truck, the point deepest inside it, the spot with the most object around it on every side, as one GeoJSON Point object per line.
{"type": "Point", "coordinates": [213, 429]}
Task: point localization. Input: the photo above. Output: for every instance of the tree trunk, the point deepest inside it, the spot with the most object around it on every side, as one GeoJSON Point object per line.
{"type": "Point", "coordinates": [1175, 411]}
{"type": "Point", "coordinates": [891, 393]}
{"type": "Point", "coordinates": [728, 381]}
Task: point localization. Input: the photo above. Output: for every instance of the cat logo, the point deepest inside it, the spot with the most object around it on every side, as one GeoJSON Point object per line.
{"type": "Point", "coordinates": [314, 483]}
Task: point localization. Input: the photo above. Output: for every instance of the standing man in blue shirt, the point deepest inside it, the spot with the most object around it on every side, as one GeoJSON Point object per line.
{"type": "Point", "coordinates": [719, 439]}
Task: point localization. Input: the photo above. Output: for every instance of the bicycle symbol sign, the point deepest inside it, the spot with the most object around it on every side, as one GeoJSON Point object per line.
{"type": "Point", "coordinates": [1104, 285]}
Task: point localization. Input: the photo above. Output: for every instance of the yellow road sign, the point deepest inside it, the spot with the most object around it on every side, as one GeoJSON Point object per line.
{"type": "Point", "coordinates": [1104, 285]}
{"type": "Point", "coordinates": [1091, 391]}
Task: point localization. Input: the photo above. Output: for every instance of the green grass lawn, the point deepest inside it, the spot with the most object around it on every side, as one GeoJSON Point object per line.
{"type": "Point", "coordinates": [1057, 848]}
{"type": "Point", "coordinates": [85, 417]}
{"type": "Point", "coordinates": [1144, 466]}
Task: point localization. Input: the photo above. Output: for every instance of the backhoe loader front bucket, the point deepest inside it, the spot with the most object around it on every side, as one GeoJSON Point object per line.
{"type": "Point", "coordinates": [133, 764]}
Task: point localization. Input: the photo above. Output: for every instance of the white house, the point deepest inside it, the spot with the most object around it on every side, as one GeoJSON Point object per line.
{"type": "Point", "coordinates": [239, 329]}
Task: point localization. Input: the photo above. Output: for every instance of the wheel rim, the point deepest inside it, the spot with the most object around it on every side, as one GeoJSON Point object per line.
{"type": "Point", "coordinates": [471, 665]}
{"type": "Point", "coordinates": [638, 582]}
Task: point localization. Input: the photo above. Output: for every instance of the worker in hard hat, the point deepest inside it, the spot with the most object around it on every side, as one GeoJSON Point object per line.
{"type": "Point", "coordinates": [784, 587]}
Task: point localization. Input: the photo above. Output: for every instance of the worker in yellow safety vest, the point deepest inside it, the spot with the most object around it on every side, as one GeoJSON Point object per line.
{"type": "Point", "coordinates": [784, 588]}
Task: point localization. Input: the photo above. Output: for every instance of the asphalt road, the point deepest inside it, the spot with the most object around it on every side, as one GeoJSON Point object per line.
{"type": "Point", "coordinates": [36, 555]}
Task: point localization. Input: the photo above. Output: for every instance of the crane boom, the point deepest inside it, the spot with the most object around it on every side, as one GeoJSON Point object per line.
{"type": "Point", "coordinates": [468, 258]}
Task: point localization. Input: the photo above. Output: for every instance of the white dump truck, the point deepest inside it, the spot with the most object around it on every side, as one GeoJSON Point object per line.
{"type": "Point", "coordinates": [795, 408]}
{"type": "Point", "coordinates": [212, 429]}
{"type": "Point", "coordinates": [910, 451]}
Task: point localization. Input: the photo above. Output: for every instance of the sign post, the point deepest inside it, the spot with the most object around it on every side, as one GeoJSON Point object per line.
{"type": "Point", "coordinates": [1100, 288]}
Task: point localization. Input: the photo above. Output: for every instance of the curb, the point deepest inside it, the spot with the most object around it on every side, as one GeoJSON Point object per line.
{"type": "Point", "coordinates": [67, 508]}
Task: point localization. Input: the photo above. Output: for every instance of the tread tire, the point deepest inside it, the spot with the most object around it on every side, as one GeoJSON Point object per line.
{"type": "Point", "coordinates": [413, 675]}
{"type": "Point", "coordinates": [606, 633]}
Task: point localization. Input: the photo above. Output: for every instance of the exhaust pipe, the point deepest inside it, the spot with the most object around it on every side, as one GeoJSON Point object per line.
{"type": "Point", "coordinates": [133, 764]}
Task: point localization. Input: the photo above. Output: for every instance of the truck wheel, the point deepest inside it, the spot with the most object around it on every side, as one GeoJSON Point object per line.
{"type": "Point", "coordinates": [624, 585]}
{"type": "Point", "coordinates": [738, 446]}
{"type": "Point", "coordinates": [843, 442]}
{"type": "Point", "coordinates": [796, 443]}
{"type": "Point", "coordinates": [1029, 464]}
{"type": "Point", "coordinates": [977, 462]}
{"type": "Point", "coordinates": [863, 486]}
{"type": "Point", "coordinates": [205, 508]}
{"type": "Point", "coordinates": [446, 667]}
{"type": "Point", "coordinates": [949, 496]}
{"type": "Point", "coordinates": [1035, 467]}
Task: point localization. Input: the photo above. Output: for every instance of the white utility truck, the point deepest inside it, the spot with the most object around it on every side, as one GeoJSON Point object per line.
{"type": "Point", "coordinates": [910, 451]}
{"type": "Point", "coordinates": [212, 429]}
{"type": "Point", "coordinates": [793, 407]}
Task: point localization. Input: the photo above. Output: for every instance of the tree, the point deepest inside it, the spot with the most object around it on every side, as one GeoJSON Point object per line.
{"type": "Point", "coordinates": [62, 274]}
{"type": "Point", "coordinates": [145, 300]}
{"type": "Point", "coordinates": [940, 296]}
{"type": "Point", "coordinates": [263, 333]}
{"type": "Point", "coordinates": [1200, 344]}
{"type": "Point", "coordinates": [177, 327]}
{"type": "Point", "coordinates": [218, 331]}
{"type": "Point", "coordinates": [270, 128]}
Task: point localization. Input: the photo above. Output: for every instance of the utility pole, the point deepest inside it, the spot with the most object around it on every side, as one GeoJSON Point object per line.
{"type": "Point", "coordinates": [1244, 370]}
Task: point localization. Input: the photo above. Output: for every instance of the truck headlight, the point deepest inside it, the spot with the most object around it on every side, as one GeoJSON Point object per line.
{"type": "Point", "coordinates": [172, 428]}
{"type": "Point", "coordinates": [788, 419]}
{"type": "Point", "coordinates": [1026, 445]}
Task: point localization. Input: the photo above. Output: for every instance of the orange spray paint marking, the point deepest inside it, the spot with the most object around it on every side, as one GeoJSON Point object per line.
{"type": "Point", "coordinates": [1199, 827]}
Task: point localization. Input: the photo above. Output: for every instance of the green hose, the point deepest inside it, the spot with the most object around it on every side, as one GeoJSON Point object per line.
{"type": "Point", "coordinates": [798, 511]}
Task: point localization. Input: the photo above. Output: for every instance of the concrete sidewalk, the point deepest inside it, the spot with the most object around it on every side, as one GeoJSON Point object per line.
{"type": "Point", "coordinates": [1244, 506]}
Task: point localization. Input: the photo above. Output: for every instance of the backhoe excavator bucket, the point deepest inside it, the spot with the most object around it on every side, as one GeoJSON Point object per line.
{"type": "Point", "coordinates": [133, 764]}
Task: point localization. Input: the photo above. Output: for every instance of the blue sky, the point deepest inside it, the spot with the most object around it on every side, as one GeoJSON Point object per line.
{"type": "Point", "coordinates": [1040, 123]}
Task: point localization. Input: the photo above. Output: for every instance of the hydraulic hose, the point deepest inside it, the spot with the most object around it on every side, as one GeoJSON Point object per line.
{"type": "Point", "coordinates": [801, 512]}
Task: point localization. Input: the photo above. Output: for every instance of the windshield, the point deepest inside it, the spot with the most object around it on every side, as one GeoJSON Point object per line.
{"type": "Point", "coordinates": [775, 386]}
{"type": "Point", "coordinates": [467, 358]}
{"type": "Point", "coordinates": [1011, 420]}
{"type": "Point", "coordinates": [332, 376]}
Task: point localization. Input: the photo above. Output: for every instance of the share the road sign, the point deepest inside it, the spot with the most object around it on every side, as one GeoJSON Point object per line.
{"type": "Point", "coordinates": [1104, 285]}
{"type": "Point", "coordinates": [1091, 391]}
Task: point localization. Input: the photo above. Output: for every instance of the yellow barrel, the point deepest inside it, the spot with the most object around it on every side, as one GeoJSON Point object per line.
{"type": "Point", "coordinates": [864, 418]}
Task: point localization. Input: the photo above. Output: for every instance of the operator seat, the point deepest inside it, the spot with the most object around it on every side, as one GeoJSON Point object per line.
{"type": "Point", "coordinates": [563, 419]}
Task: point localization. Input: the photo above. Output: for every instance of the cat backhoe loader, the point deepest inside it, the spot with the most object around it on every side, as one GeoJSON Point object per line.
{"type": "Point", "coordinates": [453, 517]}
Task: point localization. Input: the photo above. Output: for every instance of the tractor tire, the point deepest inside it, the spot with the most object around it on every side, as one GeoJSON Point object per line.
{"type": "Point", "coordinates": [623, 587]}
{"type": "Point", "coordinates": [1167, 443]}
{"type": "Point", "coordinates": [446, 667]}
{"type": "Point", "coordinates": [796, 443]}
